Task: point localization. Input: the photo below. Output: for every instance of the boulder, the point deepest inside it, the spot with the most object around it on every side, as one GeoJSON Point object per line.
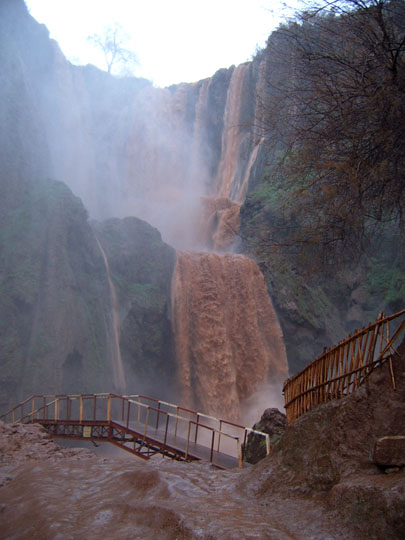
{"type": "Point", "coordinates": [272, 422]}
{"type": "Point", "coordinates": [390, 451]}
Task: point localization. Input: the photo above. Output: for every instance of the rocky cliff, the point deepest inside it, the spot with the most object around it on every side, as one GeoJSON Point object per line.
{"type": "Point", "coordinates": [186, 159]}
{"type": "Point", "coordinates": [56, 313]}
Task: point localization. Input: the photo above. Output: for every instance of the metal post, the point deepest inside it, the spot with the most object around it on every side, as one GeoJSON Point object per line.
{"type": "Point", "coordinates": [196, 429]}
{"type": "Point", "coordinates": [212, 445]}
{"type": "Point", "coordinates": [167, 425]}
{"type": "Point", "coordinates": [81, 409]}
{"type": "Point", "coordinates": [267, 444]}
{"type": "Point", "coordinates": [94, 407]}
{"type": "Point", "coordinates": [177, 419]}
{"type": "Point", "coordinates": [129, 405]}
{"type": "Point", "coordinates": [109, 408]}
{"type": "Point", "coordinates": [157, 416]}
{"type": "Point", "coordinates": [244, 438]}
{"type": "Point", "coordinates": [32, 409]}
{"type": "Point", "coordinates": [139, 410]}
{"type": "Point", "coordinates": [122, 409]}
{"type": "Point", "coordinates": [240, 460]}
{"type": "Point", "coordinates": [146, 422]}
{"type": "Point", "coordinates": [219, 435]}
{"type": "Point", "coordinates": [188, 438]}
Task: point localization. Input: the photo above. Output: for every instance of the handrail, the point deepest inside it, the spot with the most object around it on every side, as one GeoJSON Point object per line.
{"type": "Point", "coordinates": [341, 369]}
{"type": "Point", "coordinates": [59, 408]}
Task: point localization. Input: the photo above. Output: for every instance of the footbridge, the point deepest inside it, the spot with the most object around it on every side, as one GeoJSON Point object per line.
{"type": "Point", "coordinates": [138, 424]}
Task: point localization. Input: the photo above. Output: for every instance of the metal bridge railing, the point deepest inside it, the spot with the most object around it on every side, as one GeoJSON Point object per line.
{"type": "Point", "coordinates": [136, 410]}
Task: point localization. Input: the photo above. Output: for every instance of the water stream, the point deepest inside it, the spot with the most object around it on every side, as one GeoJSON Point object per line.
{"type": "Point", "coordinates": [117, 365]}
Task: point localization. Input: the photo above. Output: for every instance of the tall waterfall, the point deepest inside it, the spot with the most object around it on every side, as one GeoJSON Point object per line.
{"type": "Point", "coordinates": [228, 339]}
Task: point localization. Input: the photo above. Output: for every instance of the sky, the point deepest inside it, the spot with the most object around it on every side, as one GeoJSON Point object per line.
{"type": "Point", "coordinates": [175, 40]}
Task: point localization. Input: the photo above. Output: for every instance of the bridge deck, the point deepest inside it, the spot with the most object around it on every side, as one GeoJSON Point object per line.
{"type": "Point", "coordinates": [140, 425]}
{"type": "Point", "coordinates": [134, 440]}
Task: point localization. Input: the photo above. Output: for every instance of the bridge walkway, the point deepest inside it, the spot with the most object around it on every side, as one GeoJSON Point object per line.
{"type": "Point", "coordinates": [140, 425]}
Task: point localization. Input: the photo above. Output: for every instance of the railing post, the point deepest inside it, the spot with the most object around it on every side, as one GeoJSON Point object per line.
{"type": "Point", "coordinates": [109, 408]}
{"type": "Point", "coordinates": [219, 435]}
{"type": "Point", "coordinates": [56, 409]}
{"type": "Point", "coordinates": [245, 438]}
{"type": "Point", "coordinates": [128, 409]}
{"type": "Point", "coordinates": [240, 459]}
{"type": "Point", "coordinates": [167, 425]}
{"type": "Point", "coordinates": [157, 416]}
{"type": "Point", "coordinates": [196, 428]}
{"type": "Point", "coordinates": [188, 439]}
{"type": "Point", "coordinates": [139, 410]}
{"type": "Point", "coordinates": [81, 409]}
{"type": "Point", "coordinates": [212, 445]}
{"type": "Point", "coordinates": [267, 444]}
{"type": "Point", "coordinates": [177, 419]}
{"type": "Point", "coordinates": [146, 422]}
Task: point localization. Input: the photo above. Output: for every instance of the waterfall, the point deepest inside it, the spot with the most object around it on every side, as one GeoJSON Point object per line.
{"type": "Point", "coordinates": [232, 138]}
{"type": "Point", "coordinates": [227, 336]}
{"type": "Point", "coordinates": [117, 365]}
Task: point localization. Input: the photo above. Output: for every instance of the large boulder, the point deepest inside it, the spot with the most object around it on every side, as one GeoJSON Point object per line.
{"type": "Point", "coordinates": [273, 422]}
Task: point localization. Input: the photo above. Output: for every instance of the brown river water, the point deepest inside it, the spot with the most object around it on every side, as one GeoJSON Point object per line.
{"type": "Point", "coordinates": [53, 493]}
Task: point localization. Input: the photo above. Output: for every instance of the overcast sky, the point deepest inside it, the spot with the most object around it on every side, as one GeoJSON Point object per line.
{"type": "Point", "coordinates": [175, 40]}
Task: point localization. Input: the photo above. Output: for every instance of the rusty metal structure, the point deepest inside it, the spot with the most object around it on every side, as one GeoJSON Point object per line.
{"type": "Point", "coordinates": [340, 370]}
{"type": "Point", "coordinates": [138, 424]}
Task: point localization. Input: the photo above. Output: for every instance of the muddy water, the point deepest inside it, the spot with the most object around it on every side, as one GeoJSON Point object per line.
{"type": "Point", "coordinates": [160, 499]}
{"type": "Point", "coordinates": [228, 339]}
{"type": "Point", "coordinates": [53, 493]}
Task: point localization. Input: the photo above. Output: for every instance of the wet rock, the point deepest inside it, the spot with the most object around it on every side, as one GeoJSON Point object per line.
{"type": "Point", "coordinates": [272, 422]}
{"type": "Point", "coordinates": [390, 451]}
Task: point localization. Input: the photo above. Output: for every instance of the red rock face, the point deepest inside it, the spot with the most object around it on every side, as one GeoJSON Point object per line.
{"type": "Point", "coordinates": [228, 339]}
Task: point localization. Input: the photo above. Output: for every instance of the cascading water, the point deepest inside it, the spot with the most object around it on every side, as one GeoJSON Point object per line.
{"type": "Point", "coordinates": [117, 365]}
{"type": "Point", "coordinates": [228, 176]}
{"type": "Point", "coordinates": [227, 336]}
{"type": "Point", "coordinates": [228, 339]}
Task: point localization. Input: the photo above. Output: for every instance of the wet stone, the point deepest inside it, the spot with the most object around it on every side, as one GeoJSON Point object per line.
{"type": "Point", "coordinates": [390, 451]}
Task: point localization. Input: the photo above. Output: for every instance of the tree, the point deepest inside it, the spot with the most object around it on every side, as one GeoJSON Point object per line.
{"type": "Point", "coordinates": [112, 43]}
{"type": "Point", "coordinates": [339, 112]}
